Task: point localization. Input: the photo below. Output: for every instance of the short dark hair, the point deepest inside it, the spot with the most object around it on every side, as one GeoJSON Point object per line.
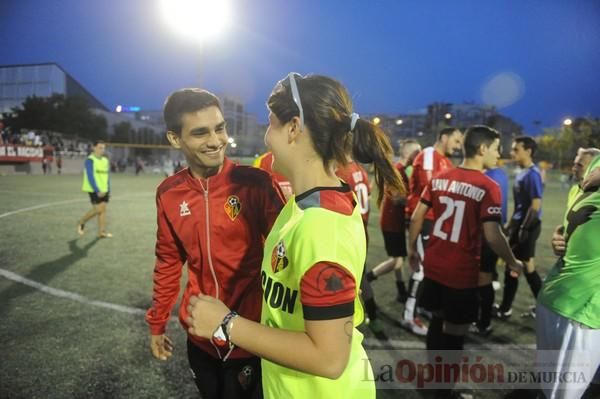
{"type": "Point", "coordinates": [528, 143]}
{"type": "Point", "coordinates": [97, 142]}
{"type": "Point", "coordinates": [184, 101]}
{"type": "Point", "coordinates": [447, 131]}
{"type": "Point", "coordinates": [477, 135]}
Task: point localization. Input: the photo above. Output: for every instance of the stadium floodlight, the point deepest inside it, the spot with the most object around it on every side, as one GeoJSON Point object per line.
{"type": "Point", "coordinates": [568, 122]}
{"type": "Point", "coordinates": [197, 20]}
{"type": "Point", "coordinates": [399, 122]}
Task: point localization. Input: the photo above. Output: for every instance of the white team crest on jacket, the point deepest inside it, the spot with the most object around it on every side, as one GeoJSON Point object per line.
{"type": "Point", "coordinates": [184, 209]}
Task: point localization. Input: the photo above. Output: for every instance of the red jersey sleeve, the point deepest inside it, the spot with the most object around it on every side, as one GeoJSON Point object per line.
{"type": "Point", "coordinates": [426, 195]}
{"type": "Point", "coordinates": [491, 205]}
{"type": "Point", "coordinates": [327, 292]}
{"type": "Point", "coordinates": [170, 258]}
{"type": "Point", "coordinates": [418, 180]}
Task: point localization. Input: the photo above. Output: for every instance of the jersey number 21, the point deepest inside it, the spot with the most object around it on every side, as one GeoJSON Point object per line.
{"type": "Point", "coordinates": [454, 208]}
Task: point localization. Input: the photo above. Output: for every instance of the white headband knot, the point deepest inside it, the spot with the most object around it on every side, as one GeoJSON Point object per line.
{"type": "Point", "coordinates": [353, 118]}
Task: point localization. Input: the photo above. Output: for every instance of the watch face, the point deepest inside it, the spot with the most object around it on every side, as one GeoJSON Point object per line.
{"type": "Point", "coordinates": [219, 337]}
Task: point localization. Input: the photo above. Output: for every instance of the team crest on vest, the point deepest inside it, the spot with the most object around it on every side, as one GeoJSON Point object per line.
{"type": "Point", "coordinates": [279, 260]}
{"type": "Point", "coordinates": [233, 206]}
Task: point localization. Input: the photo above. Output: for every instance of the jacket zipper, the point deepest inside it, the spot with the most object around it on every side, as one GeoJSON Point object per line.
{"type": "Point", "coordinates": [208, 247]}
{"type": "Point", "coordinates": [209, 255]}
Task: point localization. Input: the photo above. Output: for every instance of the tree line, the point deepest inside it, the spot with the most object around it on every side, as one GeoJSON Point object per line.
{"type": "Point", "coordinates": [559, 146]}
{"type": "Point", "coordinates": [72, 116]}
{"type": "Point", "coordinates": [69, 115]}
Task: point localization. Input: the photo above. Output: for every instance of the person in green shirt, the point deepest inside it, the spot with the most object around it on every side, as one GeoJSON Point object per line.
{"type": "Point", "coordinates": [568, 306]}
{"type": "Point", "coordinates": [314, 255]}
{"type": "Point", "coordinates": [96, 182]}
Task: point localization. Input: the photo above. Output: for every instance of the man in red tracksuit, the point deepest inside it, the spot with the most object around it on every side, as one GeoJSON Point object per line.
{"type": "Point", "coordinates": [214, 216]}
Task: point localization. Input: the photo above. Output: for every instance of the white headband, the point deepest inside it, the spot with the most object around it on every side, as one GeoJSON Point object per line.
{"type": "Point", "coordinates": [353, 118]}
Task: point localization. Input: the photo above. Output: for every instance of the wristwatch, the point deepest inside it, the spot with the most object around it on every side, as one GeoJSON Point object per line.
{"type": "Point", "coordinates": [221, 335]}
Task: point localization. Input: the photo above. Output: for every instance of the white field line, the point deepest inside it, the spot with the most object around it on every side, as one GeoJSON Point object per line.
{"type": "Point", "coordinates": [68, 295]}
{"type": "Point", "coordinates": [33, 208]}
{"type": "Point", "coordinates": [71, 201]}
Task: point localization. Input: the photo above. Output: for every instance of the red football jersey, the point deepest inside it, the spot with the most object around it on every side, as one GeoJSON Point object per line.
{"type": "Point", "coordinates": [358, 180]}
{"type": "Point", "coordinates": [461, 200]}
{"type": "Point", "coordinates": [392, 218]}
{"type": "Point", "coordinates": [265, 162]}
{"type": "Point", "coordinates": [427, 164]}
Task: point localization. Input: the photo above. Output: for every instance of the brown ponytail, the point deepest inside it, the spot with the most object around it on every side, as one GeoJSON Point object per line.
{"type": "Point", "coordinates": [371, 145]}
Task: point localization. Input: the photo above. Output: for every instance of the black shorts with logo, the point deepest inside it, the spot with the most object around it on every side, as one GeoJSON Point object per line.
{"type": "Point", "coordinates": [395, 243]}
{"type": "Point", "coordinates": [458, 306]}
{"type": "Point", "coordinates": [523, 249]}
{"type": "Point", "coordinates": [95, 199]}
{"type": "Point", "coordinates": [232, 379]}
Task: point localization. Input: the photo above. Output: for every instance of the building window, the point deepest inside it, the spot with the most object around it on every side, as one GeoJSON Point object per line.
{"type": "Point", "coordinates": [43, 73]}
{"type": "Point", "coordinates": [10, 74]}
{"type": "Point", "coordinates": [42, 90]}
{"type": "Point", "coordinates": [10, 91]}
{"type": "Point", "coordinates": [26, 74]}
{"type": "Point", "coordinates": [25, 90]}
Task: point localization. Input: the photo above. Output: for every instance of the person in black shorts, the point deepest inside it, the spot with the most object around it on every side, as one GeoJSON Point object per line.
{"type": "Point", "coordinates": [96, 182]}
{"type": "Point", "coordinates": [525, 225]}
{"type": "Point", "coordinates": [393, 223]}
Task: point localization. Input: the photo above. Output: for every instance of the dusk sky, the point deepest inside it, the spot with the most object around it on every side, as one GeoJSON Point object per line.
{"type": "Point", "coordinates": [536, 60]}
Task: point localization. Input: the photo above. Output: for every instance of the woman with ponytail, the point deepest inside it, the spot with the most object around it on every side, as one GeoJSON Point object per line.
{"type": "Point", "coordinates": [315, 253]}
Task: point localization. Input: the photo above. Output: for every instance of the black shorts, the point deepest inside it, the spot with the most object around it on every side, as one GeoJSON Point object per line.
{"type": "Point", "coordinates": [524, 250]}
{"type": "Point", "coordinates": [232, 379]}
{"type": "Point", "coordinates": [395, 243]}
{"type": "Point", "coordinates": [96, 200]}
{"type": "Point", "coordinates": [488, 259]}
{"type": "Point", "coordinates": [458, 306]}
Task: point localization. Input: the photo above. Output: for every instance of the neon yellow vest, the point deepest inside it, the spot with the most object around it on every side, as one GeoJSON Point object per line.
{"type": "Point", "coordinates": [299, 239]}
{"type": "Point", "coordinates": [101, 173]}
{"type": "Point", "coordinates": [574, 192]}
